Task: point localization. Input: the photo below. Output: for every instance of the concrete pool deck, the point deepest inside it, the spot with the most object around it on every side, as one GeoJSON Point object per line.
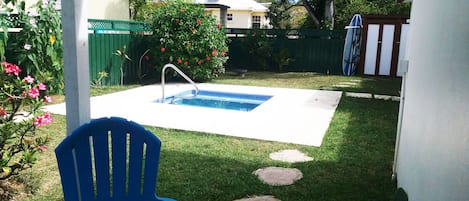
{"type": "Point", "coordinates": [296, 116]}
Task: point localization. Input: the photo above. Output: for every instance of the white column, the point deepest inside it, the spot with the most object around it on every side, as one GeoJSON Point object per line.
{"type": "Point", "coordinates": [76, 70]}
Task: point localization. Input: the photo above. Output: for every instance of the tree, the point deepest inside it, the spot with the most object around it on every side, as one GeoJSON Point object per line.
{"type": "Point", "coordinates": [320, 11]}
{"type": "Point", "coordinates": [187, 37]}
{"type": "Point", "coordinates": [135, 7]}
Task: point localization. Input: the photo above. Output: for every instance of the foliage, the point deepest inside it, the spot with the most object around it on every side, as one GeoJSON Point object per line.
{"type": "Point", "coordinates": [98, 82]}
{"type": "Point", "coordinates": [187, 37]}
{"type": "Point", "coordinates": [20, 115]}
{"type": "Point", "coordinates": [280, 15]}
{"type": "Point", "coordinates": [121, 53]}
{"type": "Point", "coordinates": [135, 7]}
{"type": "Point", "coordinates": [38, 46]}
{"type": "Point", "coordinates": [346, 9]}
{"type": "Point", "coordinates": [258, 45]}
{"type": "Point", "coordinates": [282, 59]}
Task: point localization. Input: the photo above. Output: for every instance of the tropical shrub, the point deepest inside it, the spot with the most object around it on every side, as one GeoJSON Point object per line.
{"type": "Point", "coordinates": [20, 101]}
{"type": "Point", "coordinates": [187, 37]}
{"type": "Point", "coordinates": [259, 46]}
{"type": "Point", "coordinates": [38, 46]}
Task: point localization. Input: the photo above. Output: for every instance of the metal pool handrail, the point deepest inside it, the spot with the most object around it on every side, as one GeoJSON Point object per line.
{"type": "Point", "coordinates": [180, 73]}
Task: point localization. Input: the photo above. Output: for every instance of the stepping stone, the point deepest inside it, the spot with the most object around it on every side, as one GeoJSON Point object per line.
{"type": "Point", "coordinates": [358, 95]}
{"type": "Point", "coordinates": [395, 98]}
{"type": "Point", "coordinates": [278, 176]}
{"type": "Point", "coordinates": [349, 83]}
{"type": "Point", "coordinates": [328, 88]}
{"type": "Point", "coordinates": [290, 156]}
{"type": "Point", "coordinates": [341, 85]}
{"type": "Point", "coordinates": [260, 198]}
{"type": "Point", "coordinates": [383, 97]}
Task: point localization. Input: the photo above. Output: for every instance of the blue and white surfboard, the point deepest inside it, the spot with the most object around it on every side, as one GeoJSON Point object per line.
{"type": "Point", "coordinates": [352, 46]}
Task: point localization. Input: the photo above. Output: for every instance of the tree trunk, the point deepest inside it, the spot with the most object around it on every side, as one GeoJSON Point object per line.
{"type": "Point", "coordinates": [311, 13]}
{"type": "Point", "coordinates": [329, 13]}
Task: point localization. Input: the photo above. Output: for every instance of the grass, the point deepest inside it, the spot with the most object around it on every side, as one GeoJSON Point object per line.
{"type": "Point", "coordinates": [374, 85]}
{"type": "Point", "coordinates": [353, 163]}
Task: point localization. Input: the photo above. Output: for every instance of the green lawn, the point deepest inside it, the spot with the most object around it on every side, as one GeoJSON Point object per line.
{"type": "Point", "coordinates": [353, 163]}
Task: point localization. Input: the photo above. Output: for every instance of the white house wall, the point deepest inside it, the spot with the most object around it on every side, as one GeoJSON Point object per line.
{"type": "Point", "coordinates": [108, 9]}
{"type": "Point", "coordinates": [241, 18]}
{"type": "Point", "coordinates": [433, 156]}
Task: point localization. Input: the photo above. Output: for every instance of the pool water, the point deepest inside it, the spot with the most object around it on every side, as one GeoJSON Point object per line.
{"type": "Point", "coordinates": [219, 100]}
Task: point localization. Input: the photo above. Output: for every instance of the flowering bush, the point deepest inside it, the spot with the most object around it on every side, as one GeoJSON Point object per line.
{"type": "Point", "coordinates": [20, 115]}
{"type": "Point", "coordinates": [38, 46]}
{"type": "Point", "coordinates": [187, 37]}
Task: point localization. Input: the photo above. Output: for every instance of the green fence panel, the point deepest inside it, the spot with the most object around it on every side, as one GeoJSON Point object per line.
{"type": "Point", "coordinates": [310, 50]}
{"type": "Point", "coordinates": [102, 58]}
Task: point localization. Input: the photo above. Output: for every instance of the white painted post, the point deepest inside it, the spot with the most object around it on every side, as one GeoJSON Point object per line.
{"type": "Point", "coordinates": [76, 70]}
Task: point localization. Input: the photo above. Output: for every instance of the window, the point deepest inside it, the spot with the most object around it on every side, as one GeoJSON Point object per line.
{"type": "Point", "coordinates": [256, 22]}
{"type": "Point", "coordinates": [229, 16]}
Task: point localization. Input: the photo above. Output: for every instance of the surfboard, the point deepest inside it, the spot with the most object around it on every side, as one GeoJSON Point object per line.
{"type": "Point", "coordinates": [352, 45]}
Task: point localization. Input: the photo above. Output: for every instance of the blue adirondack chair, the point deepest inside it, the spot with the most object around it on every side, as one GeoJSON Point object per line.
{"type": "Point", "coordinates": [109, 159]}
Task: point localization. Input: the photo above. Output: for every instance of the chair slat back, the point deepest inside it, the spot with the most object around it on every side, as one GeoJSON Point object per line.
{"type": "Point", "coordinates": [110, 159]}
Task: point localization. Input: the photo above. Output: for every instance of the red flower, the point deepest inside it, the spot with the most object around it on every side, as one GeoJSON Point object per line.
{"type": "Point", "coordinates": [223, 53]}
{"type": "Point", "coordinates": [208, 58]}
{"type": "Point", "coordinates": [218, 25]}
{"type": "Point", "coordinates": [179, 61]}
{"type": "Point", "coordinates": [199, 62]}
{"type": "Point", "coordinates": [186, 63]}
{"type": "Point", "coordinates": [2, 112]}
{"type": "Point", "coordinates": [199, 22]}
{"type": "Point", "coordinates": [146, 58]}
{"type": "Point", "coordinates": [214, 52]}
{"type": "Point", "coordinates": [163, 49]}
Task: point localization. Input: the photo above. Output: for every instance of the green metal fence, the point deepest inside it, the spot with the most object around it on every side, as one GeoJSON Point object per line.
{"type": "Point", "coordinates": [308, 50]}
{"type": "Point", "coordinates": [110, 36]}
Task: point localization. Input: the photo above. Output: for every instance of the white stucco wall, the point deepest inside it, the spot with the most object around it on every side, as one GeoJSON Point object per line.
{"type": "Point", "coordinates": [101, 9]}
{"type": "Point", "coordinates": [433, 155]}
{"type": "Point", "coordinates": [108, 9]}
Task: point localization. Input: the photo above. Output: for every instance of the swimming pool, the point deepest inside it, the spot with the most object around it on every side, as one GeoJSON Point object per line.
{"type": "Point", "coordinates": [220, 100]}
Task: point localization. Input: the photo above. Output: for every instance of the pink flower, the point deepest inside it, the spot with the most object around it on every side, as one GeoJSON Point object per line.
{"type": "Point", "coordinates": [42, 147]}
{"type": "Point", "coordinates": [44, 119]}
{"type": "Point", "coordinates": [218, 25]}
{"type": "Point", "coordinates": [199, 62]}
{"type": "Point", "coordinates": [179, 61]}
{"type": "Point", "coordinates": [11, 68]}
{"type": "Point", "coordinates": [208, 58]}
{"type": "Point", "coordinates": [27, 46]}
{"type": "Point", "coordinates": [29, 79]}
{"type": "Point", "coordinates": [42, 86]}
{"type": "Point", "coordinates": [2, 112]}
{"type": "Point", "coordinates": [47, 99]}
{"type": "Point", "coordinates": [199, 21]}
{"type": "Point", "coordinates": [33, 93]}
{"type": "Point", "coordinates": [214, 52]}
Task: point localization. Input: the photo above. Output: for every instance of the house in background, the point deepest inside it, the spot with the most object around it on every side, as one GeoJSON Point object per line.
{"type": "Point", "coordinates": [246, 14]}
{"type": "Point", "coordinates": [432, 148]}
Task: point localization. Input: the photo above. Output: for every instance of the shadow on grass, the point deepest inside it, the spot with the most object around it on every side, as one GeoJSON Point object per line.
{"type": "Point", "coordinates": [353, 163]}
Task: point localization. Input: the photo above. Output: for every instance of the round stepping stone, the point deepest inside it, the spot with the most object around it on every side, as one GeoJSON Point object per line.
{"type": "Point", "coordinates": [260, 198]}
{"type": "Point", "coordinates": [290, 156]}
{"type": "Point", "coordinates": [278, 176]}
